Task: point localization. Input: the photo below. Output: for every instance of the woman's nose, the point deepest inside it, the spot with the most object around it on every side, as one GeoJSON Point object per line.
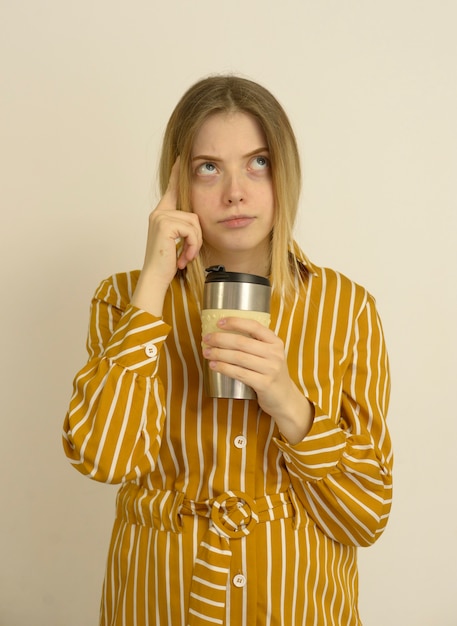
{"type": "Point", "coordinates": [234, 192]}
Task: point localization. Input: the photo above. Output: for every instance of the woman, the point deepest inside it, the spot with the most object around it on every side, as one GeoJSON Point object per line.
{"type": "Point", "coordinates": [233, 511]}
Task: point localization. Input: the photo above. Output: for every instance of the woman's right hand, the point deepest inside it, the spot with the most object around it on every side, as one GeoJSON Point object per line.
{"type": "Point", "coordinates": [167, 226]}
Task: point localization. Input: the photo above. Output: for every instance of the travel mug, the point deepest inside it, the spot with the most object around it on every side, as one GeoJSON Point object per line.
{"type": "Point", "coordinates": [231, 294]}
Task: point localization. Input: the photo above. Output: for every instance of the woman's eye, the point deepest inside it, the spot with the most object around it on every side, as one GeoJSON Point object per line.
{"type": "Point", "coordinates": [206, 169]}
{"type": "Point", "coordinates": [260, 163]}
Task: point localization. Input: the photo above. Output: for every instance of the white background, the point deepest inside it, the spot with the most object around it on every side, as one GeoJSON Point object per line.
{"type": "Point", "coordinates": [86, 90]}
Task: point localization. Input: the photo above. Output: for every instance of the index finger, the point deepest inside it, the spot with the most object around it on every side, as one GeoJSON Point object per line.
{"type": "Point", "coordinates": [173, 182]}
{"type": "Point", "coordinates": [253, 324]}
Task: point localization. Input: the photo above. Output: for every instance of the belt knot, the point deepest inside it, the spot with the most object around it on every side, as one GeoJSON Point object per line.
{"type": "Point", "coordinates": [234, 514]}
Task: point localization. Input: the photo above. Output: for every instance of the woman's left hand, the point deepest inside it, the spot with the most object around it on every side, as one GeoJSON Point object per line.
{"type": "Point", "coordinates": [254, 355]}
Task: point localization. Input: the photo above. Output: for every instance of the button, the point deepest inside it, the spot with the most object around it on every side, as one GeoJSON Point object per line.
{"type": "Point", "coordinates": [151, 350]}
{"type": "Point", "coordinates": [240, 442]}
{"type": "Point", "coordinates": [239, 580]}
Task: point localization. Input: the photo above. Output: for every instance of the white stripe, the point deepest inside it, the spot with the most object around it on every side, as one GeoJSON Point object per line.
{"type": "Point", "coordinates": [244, 590]}
{"type": "Point", "coordinates": [303, 326]}
{"type": "Point", "coordinates": [213, 620]}
{"type": "Point", "coordinates": [208, 583]}
{"type": "Point", "coordinates": [317, 575]}
{"type": "Point", "coordinates": [329, 433]}
{"type": "Point", "coordinates": [126, 619]}
{"type": "Point", "coordinates": [207, 600]}
{"type": "Point", "coordinates": [169, 592]}
{"type": "Point", "coordinates": [213, 568]}
{"type": "Point", "coordinates": [269, 583]}
{"type": "Point", "coordinates": [107, 425]}
{"type": "Point", "coordinates": [120, 439]}
{"type": "Point", "coordinates": [216, 550]}
{"type": "Point", "coordinates": [146, 575]}
{"type": "Point", "coordinates": [283, 571]}
{"type": "Point", "coordinates": [316, 344]}
{"type": "Point", "coordinates": [181, 577]}
{"type": "Point", "coordinates": [228, 447]}
{"type": "Point", "coordinates": [298, 454]}
{"type": "Point", "coordinates": [168, 441]}
{"type": "Point", "coordinates": [331, 346]}
{"type": "Point", "coordinates": [157, 577]}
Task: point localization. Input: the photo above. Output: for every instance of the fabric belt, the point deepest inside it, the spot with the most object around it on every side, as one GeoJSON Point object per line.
{"type": "Point", "coordinates": [232, 515]}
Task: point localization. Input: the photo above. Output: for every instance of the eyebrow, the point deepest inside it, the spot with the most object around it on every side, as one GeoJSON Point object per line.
{"type": "Point", "coordinates": [208, 157]}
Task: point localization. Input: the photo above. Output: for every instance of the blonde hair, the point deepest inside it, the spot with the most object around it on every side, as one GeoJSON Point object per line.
{"type": "Point", "coordinates": [228, 94]}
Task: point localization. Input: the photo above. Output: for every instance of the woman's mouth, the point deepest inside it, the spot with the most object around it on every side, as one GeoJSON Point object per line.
{"type": "Point", "coordinates": [237, 221]}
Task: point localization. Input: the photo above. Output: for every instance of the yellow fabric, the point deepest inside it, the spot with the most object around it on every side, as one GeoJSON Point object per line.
{"type": "Point", "coordinates": [211, 531]}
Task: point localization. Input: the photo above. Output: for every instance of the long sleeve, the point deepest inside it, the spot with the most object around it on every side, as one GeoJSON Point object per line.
{"type": "Point", "coordinates": [113, 429]}
{"type": "Point", "coordinates": [341, 471]}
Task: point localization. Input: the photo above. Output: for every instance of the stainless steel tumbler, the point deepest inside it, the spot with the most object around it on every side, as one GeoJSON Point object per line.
{"type": "Point", "coordinates": [231, 294]}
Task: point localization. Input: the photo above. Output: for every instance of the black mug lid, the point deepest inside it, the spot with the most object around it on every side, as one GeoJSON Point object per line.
{"type": "Point", "coordinates": [218, 274]}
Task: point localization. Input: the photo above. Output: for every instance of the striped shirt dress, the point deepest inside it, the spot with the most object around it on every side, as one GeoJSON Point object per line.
{"type": "Point", "coordinates": [219, 520]}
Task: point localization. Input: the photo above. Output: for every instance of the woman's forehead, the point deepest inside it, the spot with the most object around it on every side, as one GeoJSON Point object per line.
{"type": "Point", "coordinates": [229, 131]}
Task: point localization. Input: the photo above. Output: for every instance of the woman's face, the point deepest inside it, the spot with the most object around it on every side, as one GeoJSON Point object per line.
{"type": "Point", "coordinates": [232, 191]}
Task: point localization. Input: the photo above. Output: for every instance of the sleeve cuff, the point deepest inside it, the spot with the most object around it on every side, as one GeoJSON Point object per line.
{"type": "Point", "coordinates": [319, 452]}
{"type": "Point", "coordinates": [137, 340]}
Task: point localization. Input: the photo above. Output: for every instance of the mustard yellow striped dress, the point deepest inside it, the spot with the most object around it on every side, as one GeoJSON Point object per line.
{"type": "Point", "coordinates": [219, 520]}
